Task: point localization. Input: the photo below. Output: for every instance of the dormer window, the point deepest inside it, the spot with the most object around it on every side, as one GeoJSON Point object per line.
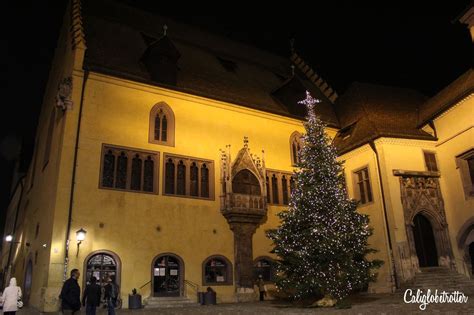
{"type": "Point", "coordinates": [346, 132]}
{"type": "Point", "coordinates": [161, 125]}
{"type": "Point", "coordinates": [229, 65]}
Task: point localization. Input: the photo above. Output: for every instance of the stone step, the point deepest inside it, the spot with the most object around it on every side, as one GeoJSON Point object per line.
{"type": "Point", "coordinates": [168, 302]}
{"type": "Point", "coordinates": [440, 278]}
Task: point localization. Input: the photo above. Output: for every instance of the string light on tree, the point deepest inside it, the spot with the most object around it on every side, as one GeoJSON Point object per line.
{"type": "Point", "coordinates": [322, 241]}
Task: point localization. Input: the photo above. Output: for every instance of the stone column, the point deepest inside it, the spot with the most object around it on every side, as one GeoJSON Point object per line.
{"type": "Point", "coordinates": [243, 253]}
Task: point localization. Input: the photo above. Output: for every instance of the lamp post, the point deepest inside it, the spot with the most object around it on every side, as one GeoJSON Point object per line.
{"type": "Point", "coordinates": [80, 236]}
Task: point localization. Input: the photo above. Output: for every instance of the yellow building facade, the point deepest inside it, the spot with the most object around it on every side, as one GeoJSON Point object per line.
{"type": "Point", "coordinates": [159, 200]}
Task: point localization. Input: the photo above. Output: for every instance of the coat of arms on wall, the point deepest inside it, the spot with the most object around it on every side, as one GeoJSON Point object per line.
{"type": "Point", "coordinates": [64, 94]}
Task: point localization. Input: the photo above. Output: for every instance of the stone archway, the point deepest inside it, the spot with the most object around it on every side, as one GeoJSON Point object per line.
{"type": "Point", "coordinates": [465, 242]}
{"type": "Point", "coordinates": [421, 195]}
{"type": "Point", "coordinates": [425, 244]}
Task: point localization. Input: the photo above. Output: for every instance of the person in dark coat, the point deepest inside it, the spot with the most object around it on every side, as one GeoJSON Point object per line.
{"type": "Point", "coordinates": [261, 287]}
{"type": "Point", "coordinates": [71, 294]}
{"type": "Point", "coordinates": [112, 293]}
{"type": "Point", "coordinates": [92, 296]}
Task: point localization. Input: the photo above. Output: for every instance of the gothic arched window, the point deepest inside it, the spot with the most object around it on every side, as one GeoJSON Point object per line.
{"type": "Point", "coordinates": [108, 169]}
{"type": "Point", "coordinates": [295, 147]}
{"type": "Point", "coordinates": [128, 169]}
{"type": "Point", "coordinates": [181, 180]}
{"type": "Point", "coordinates": [275, 189]}
{"type": "Point", "coordinates": [267, 182]}
{"type": "Point", "coordinates": [284, 187]}
{"type": "Point", "coordinates": [194, 180]}
{"type": "Point", "coordinates": [204, 181]}
{"type": "Point", "coordinates": [162, 125]}
{"type": "Point", "coordinates": [148, 174]}
{"type": "Point", "coordinates": [136, 173]}
{"type": "Point", "coordinates": [121, 177]}
{"type": "Point", "coordinates": [169, 177]}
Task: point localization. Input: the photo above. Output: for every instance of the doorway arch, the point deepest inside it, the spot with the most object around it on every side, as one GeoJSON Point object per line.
{"type": "Point", "coordinates": [167, 275]}
{"type": "Point", "coordinates": [425, 243]}
{"type": "Point", "coordinates": [102, 264]}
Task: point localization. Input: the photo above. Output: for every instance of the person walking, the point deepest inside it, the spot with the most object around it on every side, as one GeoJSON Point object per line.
{"type": "Point", "coordinates": [71, 294]}
{"type": "Point", "coordinates": [10, 298]}
{"type": "Point", "coordinates": [261, 287]}
{"type": "Point", "coordinates": [111, 295]}
{"type": "Point", "coordinates": [91, 296]}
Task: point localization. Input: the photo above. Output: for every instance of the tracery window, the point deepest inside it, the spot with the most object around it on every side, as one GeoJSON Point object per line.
{"type": "Point", "coordinates": [295, 147]}
{"type": "Point", "coordinates": [188, 176]}
{"type": "Point", "coordinates": [128, 169]}
{"type": "Point", "coordinates": [279, 187]}
{"type": "Point", "coordinates": [162, 125]}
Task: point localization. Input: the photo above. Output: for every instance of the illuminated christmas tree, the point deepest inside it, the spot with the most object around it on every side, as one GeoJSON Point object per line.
{"type": "Point", "coordinates": [322, 240]}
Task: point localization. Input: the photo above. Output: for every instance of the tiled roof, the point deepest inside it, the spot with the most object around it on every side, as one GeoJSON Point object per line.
{"type": "Point", "coordinates": [210, 65]}
{"type": "Point", "coordinates": [216, 67]}
{"type": "Point", "coordinates": [454, 92]}
{"type": "Point", "coordinates": [375, 111]}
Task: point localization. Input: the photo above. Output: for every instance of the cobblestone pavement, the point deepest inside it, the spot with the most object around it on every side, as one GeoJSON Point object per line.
{"type": "Point", "coordinates": [367, 304]}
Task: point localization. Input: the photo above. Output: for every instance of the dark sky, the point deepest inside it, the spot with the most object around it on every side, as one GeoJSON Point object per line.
{"type": "Point", "coordinates": [400, 44]}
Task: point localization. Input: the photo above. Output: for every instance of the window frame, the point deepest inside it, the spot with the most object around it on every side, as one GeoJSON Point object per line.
{"type": "Point", "coordinates": [171, 123]}
{"type": "Point", "coordinates": [229, 280]}
{"type": "Point", "coordinates": [278, 175]}
{"type": "Point", "coordinates": [355, 184]}
{"type": "Point", "coordinates": [188, 160]}
{"type": "Point", "coordinates": [296, 136]}
{"type": "Point", "coordinates": [131, 152]}
{"type": "Point", "coordinates": [462, 165]}
{"type": "Point", "coordinates": [435, 159]}
{"type": "Point", "coordinates": [272, 270]}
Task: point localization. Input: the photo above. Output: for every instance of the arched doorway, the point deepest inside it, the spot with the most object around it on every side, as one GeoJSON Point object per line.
{"type": "Point", "coordinates": [167, 275]}
{"type": "Point", "coordinates": [28, 281]}
{"type": "Point", "coordinates": [101, 265]}
{"type": "Point", "coordinates": [424, 241]}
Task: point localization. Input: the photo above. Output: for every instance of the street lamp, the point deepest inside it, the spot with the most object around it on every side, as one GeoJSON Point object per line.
{"type": "Point", "coordinates": [80, 236]}
{"type": "Point", "coordinates": [9, 238]}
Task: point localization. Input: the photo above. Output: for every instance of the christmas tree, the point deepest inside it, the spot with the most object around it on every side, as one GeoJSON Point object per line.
{"type": "Point", "coordinates": [322, 240]}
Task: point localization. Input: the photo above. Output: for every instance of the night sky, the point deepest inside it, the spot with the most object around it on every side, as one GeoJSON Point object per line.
{"type": "Point", "coordinates": [420, 47]}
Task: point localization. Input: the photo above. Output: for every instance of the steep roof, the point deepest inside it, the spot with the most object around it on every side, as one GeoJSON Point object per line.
{"type": "Point", "coordinates": [454, 92]}
{"type": "Point", "coordinates": [369, 111]}
{"type": "Point", "coordinates": [210, 65]}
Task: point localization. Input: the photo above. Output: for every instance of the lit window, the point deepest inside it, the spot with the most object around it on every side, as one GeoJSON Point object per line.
{"type": "Point", "coordinates": [162, 125]}
{"type": "Point", "coordinates": [217, 271]}
{"type": "Point", "coordinates": [465, 164]}
{"type": "Point", "coordinates": [430, 161]}
{"type": "Point", "coordinates": [295, 147]}
{"type": "Point", "coordinates": [362, 186]}
{"type": "Point", "coordinates": [128, 169]}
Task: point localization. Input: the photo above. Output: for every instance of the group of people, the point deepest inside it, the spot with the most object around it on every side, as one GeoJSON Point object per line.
{"type": "Point", "coordinates": [70, 295]}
